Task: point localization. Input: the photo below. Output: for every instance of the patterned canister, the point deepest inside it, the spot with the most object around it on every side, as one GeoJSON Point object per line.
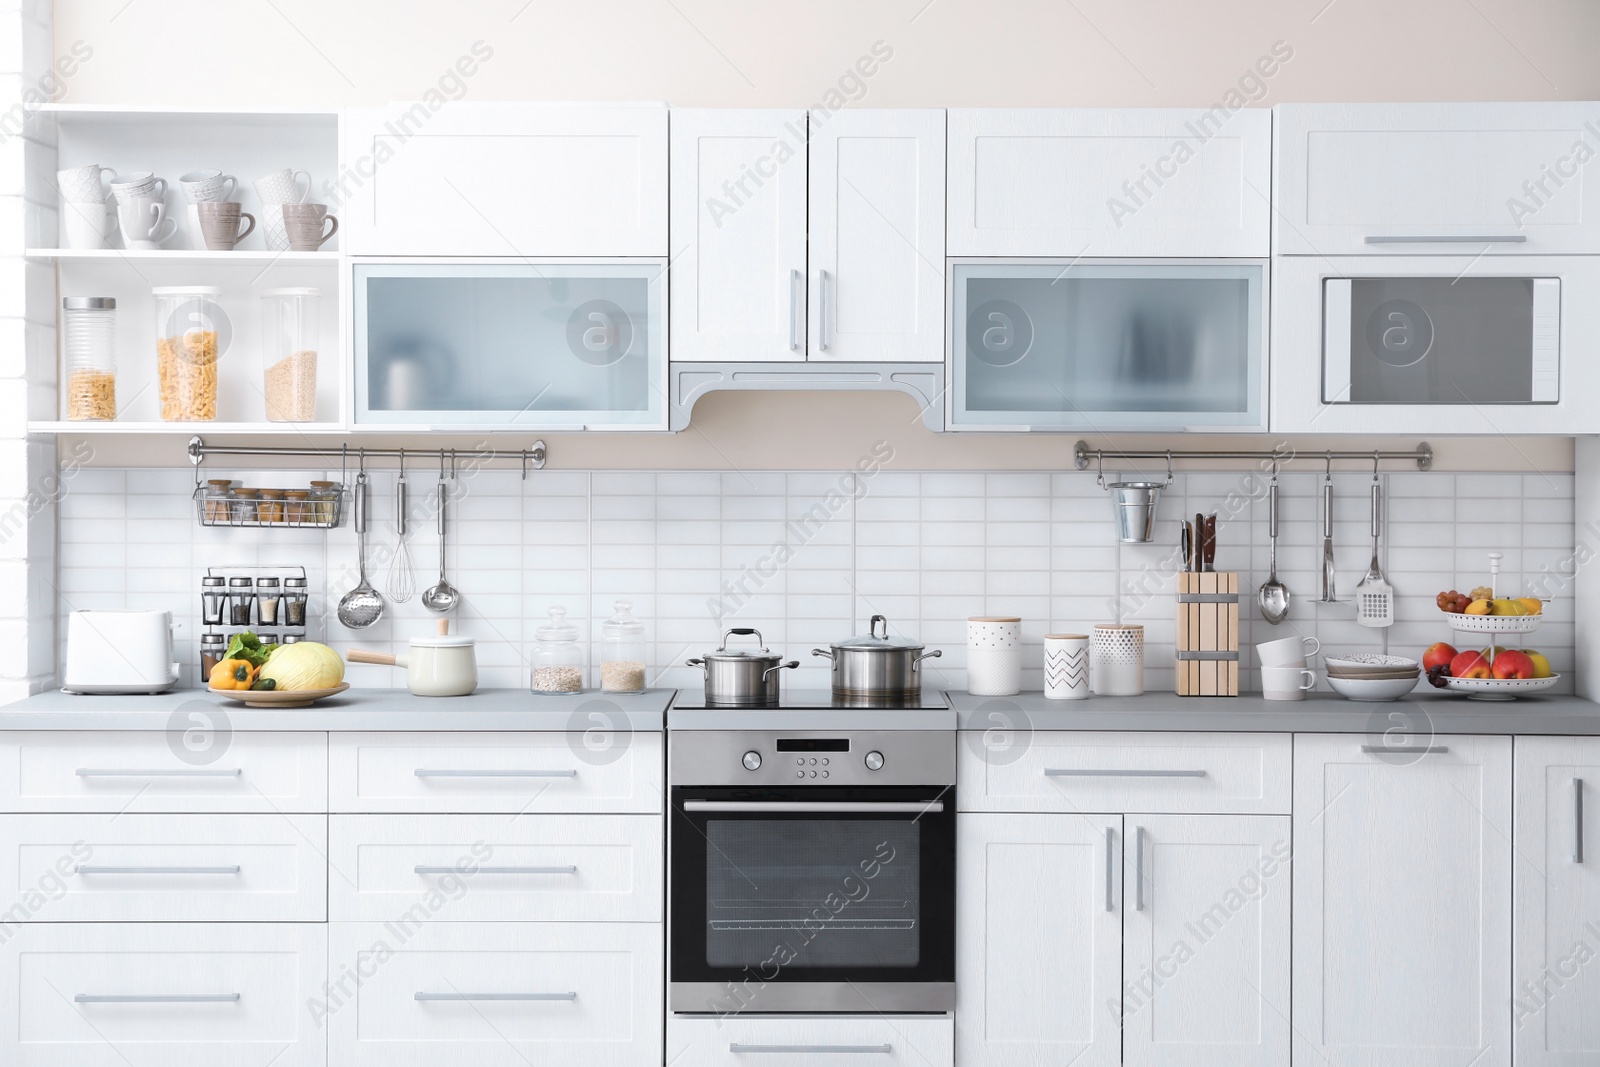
{"type": "Point", "coordinates": [1118, 669]}
{"type": "Point", "coordinates": [994, 655]}
{"type": "Point", "coordinates": [1066, 666]}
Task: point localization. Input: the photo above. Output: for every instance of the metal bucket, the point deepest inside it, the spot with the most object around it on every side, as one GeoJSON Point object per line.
{"type": "Point", "coordinates": [1135, 507]}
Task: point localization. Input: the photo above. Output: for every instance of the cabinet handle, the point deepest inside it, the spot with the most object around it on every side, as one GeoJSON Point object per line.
{"type": "Point", "coordinates": [822, 1050]}
{"type": "Point", "coordinates": [794, 310]}
{"type": "Point", "coordinates": [494, 996]}
{"type": "Point", "coordinates": [426, 772]}
{"type": "Point", "coordinates": [1138, 868]}
{"type": "Point", "coordinates": [1061, 772]}
{"type": "Point", "coordinates": [1577, 820]}
{"type": "Point", "coordinates": [1110, 852]}
{"type": "Point", "coordinates": [180, 772]}
{"type": "Point", "coordinates": [1451, 239]}
{"type": "Point", "coordinates": [155, 998]}
{"type": "Point", "coordinates": [423, 869]}
{"type": "Point", "coordinates": [1403, 750]}
{"type": "Point", "coordinates": [232, 868]}
{"type": "Point", "coordinates": [781, 807]}
{"type": "Point", "coordinates": [822, 311]}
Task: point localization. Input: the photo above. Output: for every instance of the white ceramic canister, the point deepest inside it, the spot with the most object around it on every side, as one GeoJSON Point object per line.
{"type": "Point", "coordinates": [1118, 668]}
{"type": "Point", "coordinates": [994, 655]}
{"type": "Point", "coordinates": [1066, 666]}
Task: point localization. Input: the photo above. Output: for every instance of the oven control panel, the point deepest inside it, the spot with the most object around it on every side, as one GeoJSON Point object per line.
{"type": "Point", "coordinates": [801, 757]}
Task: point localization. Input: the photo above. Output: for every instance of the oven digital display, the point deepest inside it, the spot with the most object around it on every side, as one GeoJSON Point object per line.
{"type": "Point", "coordinates": [813, 744]}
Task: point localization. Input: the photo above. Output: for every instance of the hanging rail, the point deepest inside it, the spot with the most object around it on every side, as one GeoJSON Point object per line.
{"type": "Point", "coordinates": [533, 456]}
{"type": "Point", "coordinates": [1083, 455]}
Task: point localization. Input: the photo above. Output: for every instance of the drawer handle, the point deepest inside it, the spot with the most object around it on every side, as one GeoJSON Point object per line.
{"type": "Point", "coordinates": [493, 996]}
{"type": "Point", "coordinates": [1061, 772]}
{"type": "Point", "coordinates": [1403, 750]}
{"type": "Point", "coordinates": [422, 869]}
{"type": "Point", "coordinates": [744, 1050]}
{"type": "Point", "coordinates": [1577, 820]}
{"type": "Point", "coordinates": [230, 869]}
{"type": "Point", "coordinates": [425, 772]}
{"type": "Point", "coordinates": [1450, 239]}
{"type": "Point", "coordinates": [174, 772]}
{"type": "Point", "coordinates": [1138, 868]}
{"type": "Point", "coordinates": [780, 807]}
{"type": "Point", "coordinates": [1110, 853]}
{"type": "Point", "coordinates": [155, 998]}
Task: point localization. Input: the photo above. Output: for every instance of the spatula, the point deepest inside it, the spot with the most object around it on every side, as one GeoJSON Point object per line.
{"type": "Point", "coordinates": [1374, 595]}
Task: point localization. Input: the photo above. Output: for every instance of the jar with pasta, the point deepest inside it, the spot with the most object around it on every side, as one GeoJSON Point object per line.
{"type": "Point", "coordinates": [191, 333]}
{"type": "Point", "coordinates": [90, 326]}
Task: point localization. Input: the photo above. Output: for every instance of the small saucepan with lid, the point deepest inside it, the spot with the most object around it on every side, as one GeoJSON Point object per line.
{"type": "Point", "coordinates": [742, 677]}
{"type": "Point", "coordinates": [443, 665]}
{"type": "Point", "coordinates": [875, 666]}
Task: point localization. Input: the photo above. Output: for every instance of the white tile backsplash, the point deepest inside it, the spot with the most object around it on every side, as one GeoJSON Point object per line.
{"type": "Point", "coordinates": [806, 557]}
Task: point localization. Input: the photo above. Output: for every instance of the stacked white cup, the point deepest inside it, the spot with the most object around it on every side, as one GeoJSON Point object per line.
{"type": "Point", "coordinates": [275, 190]}
{"type": "Point", "coordinates": [142, 210]}
{"type": "Point", "coordinates": [204, 186]}
{"type": "Point", "coordinates": [1284, 674]}
{"type": "Point", "coordinates": [83, 206]}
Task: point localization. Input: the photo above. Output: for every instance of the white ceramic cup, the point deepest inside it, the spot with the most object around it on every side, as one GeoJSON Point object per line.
{"type": "Point", "coordinates": [87, 224]}
{"type": "Point", "coordinates": [139, 184]}
{"type": "Point", "coordinates": [1066, 666]}
{"type": "Point", "coordinates": [1287, 651]}
{"type": "Point", "coordinates": [82, 185]}
{"type": "Point", "coordinates": [994, 656]}
{"type": "Point", "coordinates": [144, 223]}
{"type": "Point", "coordinates": [201, 186]}
{"type": "Point", "coordinates": [1287, 683]}
{"type": "Point", "coordinates": [275, 190]}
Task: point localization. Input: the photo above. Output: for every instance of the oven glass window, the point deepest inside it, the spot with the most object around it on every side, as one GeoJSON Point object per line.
{"type": "Point", "coordinates": [813, 893]}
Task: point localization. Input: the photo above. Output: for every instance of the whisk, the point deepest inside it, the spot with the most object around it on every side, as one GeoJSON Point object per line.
{"type": "Point", "coordinates": [402, 582]}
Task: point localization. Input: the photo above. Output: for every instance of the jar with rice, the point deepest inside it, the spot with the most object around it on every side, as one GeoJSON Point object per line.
{"type": "Point", "coordinates": [289, 320]}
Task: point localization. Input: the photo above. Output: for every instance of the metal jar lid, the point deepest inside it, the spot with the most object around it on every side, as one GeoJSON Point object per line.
{"type": "Point", "coordinates": [875, 640]}
{"type": "Point", "coordinates": [89, 303]}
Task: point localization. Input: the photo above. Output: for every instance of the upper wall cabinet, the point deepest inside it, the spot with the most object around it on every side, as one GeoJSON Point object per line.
{"type": "Point", "coordinates": [1110, 182]}
{"type": "Point", "coordinates": [1358, 179]}
{"type": "Point", "coordinates": [505, 179]}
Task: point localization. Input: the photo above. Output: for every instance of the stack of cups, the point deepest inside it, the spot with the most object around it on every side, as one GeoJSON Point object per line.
{"type": "Point", "coordinates": [84, 218]}
{"type": "Point", "coordinates": [142, 210]}
{"type": "Point", "coordinates": [1284, 674]}
{"type": "Point", "coordinates": [204, 187]}
{"type": "Point", "coordinates": [994, 655]}
{"type": "Point", "coordinates": [277, 189]}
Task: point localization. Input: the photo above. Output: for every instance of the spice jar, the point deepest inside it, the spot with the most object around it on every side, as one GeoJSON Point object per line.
{"type": "Point", "coordinates": [213, 647]}
{"type": "Point", "coordinates": [296, 506]}
{"type": "Point", "coordinates": [324, 501]}
{"type": "Point", "coordinates": [557, 658]}
{"type": "Point", "coordinates": [289, 321]}
{"type": "Point", "coordinates": [268, 600]}
{"type": "Point", "coordinates": [290, 639]}
{"type": "Point", "coordinates": [213, 600]}
{"type": "Point", "coordinates": [215, 499]}
{"type": "Point", "coordinates": [188, 321]}
{"type": "Point", "coordinates": [242, 506]}
{"type": "Point", "coordinates": [269, 509]}
{"type": "Point", "coordinates": [622, 652]}
{"type": "Point", "coordinates": [241, 601]}
{"type": "Point", "coordinates": [90, 326]}
{"type": "Point", "coordinates": [294, 601]}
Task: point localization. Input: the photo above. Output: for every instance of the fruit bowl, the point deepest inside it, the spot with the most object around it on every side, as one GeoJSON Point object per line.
{"type": "Point", "coordinates": [1491, 624]}
{"type": "Point", "coordinates": [1499, 688]}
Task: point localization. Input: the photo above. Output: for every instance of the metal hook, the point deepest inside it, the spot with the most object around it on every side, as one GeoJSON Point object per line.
{"type": "Point", "coordinates": [1375, 457]}
{"type": "Point", "coordinates": [344, 462]}
{"type": "Point", "coordinates": [402, 463]}
{"type": "Point", "coordinates": [452, 464]}
{"type": "Point", "coordinates": [1327, 473]}
{"type": "Point", "coordinates": [1100, 471]}
{"type": "Point", "coordinates": [524, 455]}
{"type": "Point", "coordinates": [1274, 470]}
{"type": "Point", "coordinates": [441, 464]}
{"type": "Point", "coordinates": [1169, 469]}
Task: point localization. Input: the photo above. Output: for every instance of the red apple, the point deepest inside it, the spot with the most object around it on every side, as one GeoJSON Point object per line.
{"type": "Point", "coordinates": [1470, 664]}
{"type": "Point", "coordinates": [1439, 654]}
{"type": "Point", "coordinates": [1513, 664]}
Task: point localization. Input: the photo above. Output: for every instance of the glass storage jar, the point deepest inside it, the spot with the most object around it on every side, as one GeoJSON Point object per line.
{"type": "Point", "coordinates": [557, 657]}
{"type": "Point", "coordinates": [268, 600]}
{"type": "Point", "coordinates": [243, 506]}
{"type": "Point", "coordinates": [190, 335]}
{"type": "Point", "coordinates": [241, 601]}
{"type": "Point", "coordinates": [270, 506]}
{"type": "Point", "coordinates": [622, 652]}
{"type": "Point", "coordinates": [294, 601]}
{"type": "Point", "coordinates": [219, 491]}
{"type": "Point", "coordinates": [213, 647]}
{"type": "Point", "coordinates": [296, 506]}
{"type": "Point", "coordinates": [213, 600]}
{"type": "Point", "coordinates": [289, 321]}
{"type": "Point", "coordinates": [90, 325]}
{"type": "Point", "coordinates": [324, 501]}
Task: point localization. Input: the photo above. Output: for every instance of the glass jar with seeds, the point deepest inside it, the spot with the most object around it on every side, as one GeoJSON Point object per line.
{"type": "Point", "coordinates": [294, 602]}
{"type": "Point", "coordinates": [289, 322]}
{"type": "Point", "coordinates": [268, 600]}
{"type": "Point", "coordinates": [557, 656]}
{"type": "Point", "coordinates": [241, 601]}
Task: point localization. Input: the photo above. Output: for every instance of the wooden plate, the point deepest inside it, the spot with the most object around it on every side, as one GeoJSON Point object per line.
{"type": "Point", "coordinates": [273, 698]}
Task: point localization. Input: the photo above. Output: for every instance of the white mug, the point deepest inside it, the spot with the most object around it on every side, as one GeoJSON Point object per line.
{"type": "Point", "coordinates": [1066, 666]}
{"type": "Point", "coordinates": [202, 186]}
{"type": "Point", "coordinates": [138, 184]}
{"type": "Point", "coordinates": [82, 185]}
{"type": "Point", "coordinates": [1287, 651]}
{"type": "Point", "coordinates": [1287, 683]}
{"type": "Point", "coordinates": [144, 223]}
{"type": "Point", "coordinates": [87, 224]}
{"type": "Point", "coordinates": [277, 189]}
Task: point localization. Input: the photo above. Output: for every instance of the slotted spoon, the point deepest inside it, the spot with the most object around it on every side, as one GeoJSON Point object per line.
{"type": "Point", "coordinates": [1374, 595]}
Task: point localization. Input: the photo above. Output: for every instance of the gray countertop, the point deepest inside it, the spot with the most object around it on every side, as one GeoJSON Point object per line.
{"type": "Point", "coordinates": [1325, 713]}
{"type": "Point", "coordinates": [354, 709]}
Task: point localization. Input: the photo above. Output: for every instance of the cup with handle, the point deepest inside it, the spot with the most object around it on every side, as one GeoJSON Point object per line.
{"type": "Point", "coordinates": [219, 223]}
{"type": "Point", "coordinates": [83, 185]}
{"type": "Point", "coordinates": [1287, 683]}
{"type": "Point", "coordinates": [141, 183]}
{"type": "Point", "coordinates": [87, 224]}
{"type": "Point", "coordinates": [275, 190]}
{"type": "Point", "coordinates": [1287, 651]}
{"type": "Point", "coordinates": [306, 226]}
{"type": "Point", "coordinates": [198, 187]}
{"type": "Point", "coordinates": [144, 223]}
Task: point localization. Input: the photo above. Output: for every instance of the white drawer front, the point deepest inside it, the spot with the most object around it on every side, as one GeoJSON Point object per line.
{"type": "Point", "coordinates": [165, 868]}
{"type": "Point", "coordinates": [258, 979]}
{"type": "Point", "coordinates": [841, 1041]}
{"type": "Point", "coordinates": [1179, 774]}
{"type": "Point", "coordinates": [496, 994]}
{"type": "Point", "coordinates": [194, 767]}
{"type": "Point", "coordinates": [479, 772]}
{"type": "Point", "coordinates": [477, 868]}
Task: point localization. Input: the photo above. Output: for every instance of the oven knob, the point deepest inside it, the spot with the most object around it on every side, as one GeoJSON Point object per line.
{"type": "Point", "coordinates": [752, 760]}
{"type": "Point", "coordinates": [874, 761]}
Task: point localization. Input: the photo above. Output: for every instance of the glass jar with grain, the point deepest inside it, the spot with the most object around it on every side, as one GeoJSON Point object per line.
{"type": "Point", "coordinates": [289, 322]}
{"type": "Point", "coordinates": [243, 507]}
{"type": "Point", "coordinates": [269, 599]}
{"type": "Point", "coordinates": [241, 601]}
{"type": "Point", "coordinates": [294, 602]}
{"type": "Point", "coordinates": [622, 651]}
{"type": "Point", "coordinates": [557, 658]}
{"type": "Point", "coordinates": [296, 506]}
{"type": "Point", "coordinates": [216, 500]}
{"type": "Point", "coordinates": [90, 327]}
{"type": "Point", "coordinates": [191, 332]}
{"type": "Point", "coordinates": [269, 508]}
{"type": "Point", "coordinates": [324, 502]}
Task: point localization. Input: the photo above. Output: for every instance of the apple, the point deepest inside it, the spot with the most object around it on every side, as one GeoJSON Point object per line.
{"type": "Point", "coordinates": [1541, 665]}
{"type": "Point", "coordinates": [1514, 664]}
{"type": "Point", "coordinates": [1470, 664]}
{"type": "Point", "coordinates": [1439, 654]}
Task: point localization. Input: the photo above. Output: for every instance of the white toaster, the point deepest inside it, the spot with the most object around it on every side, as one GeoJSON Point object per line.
{"type": "Point", "coordinates": [119, 652]}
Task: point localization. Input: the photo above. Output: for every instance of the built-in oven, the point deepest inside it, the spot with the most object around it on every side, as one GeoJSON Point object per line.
{"type": "Point", "coordinates": [812, 871]}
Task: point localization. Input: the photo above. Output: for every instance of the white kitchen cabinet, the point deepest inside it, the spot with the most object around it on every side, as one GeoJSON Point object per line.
{"type": "Point", "coordinates": [1097, 182]}
{"type": "Point", "coordinates": [1039, 903]}
{"type": "Point", "coordinates": [1205, 971]}
{"type": "Point", "coordinates": [163, 994]}
{"type": "Point", "coordinates": [802, 1041]}
{"type": "Point", "coordinates": [1360, 179]}
{"type": "Point", "coordinates": [505, 179]}
{"type": "Point", "coordinates": [1555, 1005]}
{"type": "Point", "coordinates": [1402, 902]}
{"type": "Point", "coordinates": [876, 289]}
{"type": "Point", "coordinates": [738, 289]}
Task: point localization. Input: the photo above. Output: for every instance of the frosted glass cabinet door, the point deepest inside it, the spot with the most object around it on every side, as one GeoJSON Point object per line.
{"type": "Point", "coordinates": [1081, 345]}
{"type": "Point", "coordinates": [526, 345]}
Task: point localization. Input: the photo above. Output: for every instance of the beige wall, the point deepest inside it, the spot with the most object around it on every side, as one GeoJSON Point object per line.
{"type": "Point", "coordinates": [734, 53]}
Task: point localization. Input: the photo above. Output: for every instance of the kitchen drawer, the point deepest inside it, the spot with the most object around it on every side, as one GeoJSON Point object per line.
{"type": "Point", "coordinates": [838, 1041]}
{"type": "Point", "coordinates": [498, 994]}
{"type": "Point", "coordinates": [189, 768]}
{"type": "Point", "coordinates": [166, 868]}
{"type": "Point", "coordinates": [261, 982]}
{"type": "Point", "coordinates": [1246, 774]}
{"type": "Point", "coordinates": [538, 868]}
{"type": "Point", "coordinates": [481, 772]}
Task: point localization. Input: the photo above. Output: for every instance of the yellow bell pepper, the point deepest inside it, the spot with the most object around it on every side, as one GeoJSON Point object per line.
{"type": "Point", "coordinates": [233, 674]}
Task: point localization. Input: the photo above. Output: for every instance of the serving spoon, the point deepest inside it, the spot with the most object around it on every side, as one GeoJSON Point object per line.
{"type": "Point", "coordinates": [1273, 596]}
{"type": "Point", "coordinates": [443, 597]}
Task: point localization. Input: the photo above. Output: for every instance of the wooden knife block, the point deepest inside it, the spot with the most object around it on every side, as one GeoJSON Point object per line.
{"type": "Point", "coordinates": [1208, 634]}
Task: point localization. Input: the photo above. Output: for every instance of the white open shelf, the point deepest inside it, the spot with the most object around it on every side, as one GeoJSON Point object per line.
{"type": "Point", "coordinates": [183, 255]}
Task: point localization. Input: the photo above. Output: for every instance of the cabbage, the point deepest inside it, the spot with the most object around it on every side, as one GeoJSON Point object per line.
{"type": "Point", "coordinates": [304, 665]}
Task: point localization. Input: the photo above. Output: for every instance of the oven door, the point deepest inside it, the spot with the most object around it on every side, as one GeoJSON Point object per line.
{"type": "Point", "coordinates": [813, 899]}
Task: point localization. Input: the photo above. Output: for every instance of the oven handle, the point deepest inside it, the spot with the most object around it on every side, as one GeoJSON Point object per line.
{"type": "Point", "coordinates": [745, 1050]}
{"type": "Point", "coordinates": [910, 806]}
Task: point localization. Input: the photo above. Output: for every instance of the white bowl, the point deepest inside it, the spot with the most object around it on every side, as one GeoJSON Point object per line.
{"type": "Point", "coordinates": [1369, 659]}
{"type": "Point", "coordinates": [1372, 688]}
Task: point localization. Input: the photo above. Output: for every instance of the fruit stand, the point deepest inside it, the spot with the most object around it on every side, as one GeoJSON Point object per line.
{"type": "Point", "coordinates": [1496, 673]}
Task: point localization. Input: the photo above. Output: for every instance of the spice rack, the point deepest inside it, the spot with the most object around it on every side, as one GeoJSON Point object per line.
{"type": "Point", "coordinates": [323, 512]}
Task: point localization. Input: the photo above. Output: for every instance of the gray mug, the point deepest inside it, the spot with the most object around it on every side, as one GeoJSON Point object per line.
{"type": "Point", "coordinates": [304, 224]}
{"type": "Point", "coordinates": [219, 224]}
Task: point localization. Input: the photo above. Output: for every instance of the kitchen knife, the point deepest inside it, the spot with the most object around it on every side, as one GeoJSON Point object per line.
{"type": "Point", "coordinates": [1185, 543]}
{"type": "Point", "coordinates": [1209, 548]}
{"type": "Point", "coordinates": [1199, 543]}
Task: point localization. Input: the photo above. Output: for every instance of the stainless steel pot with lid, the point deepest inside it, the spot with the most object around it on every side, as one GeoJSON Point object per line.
{"type": "Point", "coordinates": [876, 665]}
{"type": "Point", "coordinates": [742, 677]}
